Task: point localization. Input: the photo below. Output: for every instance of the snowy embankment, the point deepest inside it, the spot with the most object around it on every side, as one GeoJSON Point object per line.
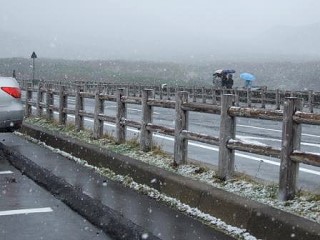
{"type": "Point", "coordinates": [305, 204]}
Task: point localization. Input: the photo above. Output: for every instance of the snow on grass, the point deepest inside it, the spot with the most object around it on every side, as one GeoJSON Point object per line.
{"type": "Point", "coordinates": [155, 194]}
{"type": "Point", "coordinates": [305, 205]}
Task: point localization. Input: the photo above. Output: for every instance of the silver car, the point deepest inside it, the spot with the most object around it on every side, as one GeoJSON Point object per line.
{"type": "Point", "coordinates": [11, 108]}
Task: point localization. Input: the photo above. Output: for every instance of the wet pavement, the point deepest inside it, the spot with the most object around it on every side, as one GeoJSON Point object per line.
{"type": "Point", "coordinates": [25, 206]}
{"type": "Point", "coordinates": [139, 211]}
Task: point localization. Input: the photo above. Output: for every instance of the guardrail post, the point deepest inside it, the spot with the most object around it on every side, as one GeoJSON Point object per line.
{"type": "Point", "coordinates": [121, 115]}
{"type": "Point", "coordinates": [146, 135]}
{"type": "Point", "coordinates": [310, 100]}
{"type": "Point", "coordinates": [227, 132]}
{"type": "Point", "coordinates": [291, 138]}
{"type": "Point", "coordinates": [39, 99]}
{"type": "Point", "coordinates": [28, 109]}
{"type": "Point", "coordinates": [181, 123]}
{"type": "Point", "coordinates": [98, 109]}
{"type": "Point", "coordinates": [49, 102]}
{"type": "Point", "coordinates": [78, 108]}
{"type": "Point", "coordinates": [62, 105]}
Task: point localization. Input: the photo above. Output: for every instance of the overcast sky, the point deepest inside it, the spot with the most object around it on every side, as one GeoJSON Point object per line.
{"type": "Point", "coordinates": [137, 25]}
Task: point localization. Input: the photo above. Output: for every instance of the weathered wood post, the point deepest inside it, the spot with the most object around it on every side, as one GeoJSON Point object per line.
{"type": "Point", "coordinates": [40, 99]}
{"type": "Point", "coordinates": [78, 109]}
{"type": "Point", "coordinates": [214, 96]}
{"type": "Point", "coordinates": [49, 102]}
{"type": "Point", "coordinates": [263, 97]}
{"type": "Point", "coordinates": [168, 92]}
{"type": "Point", "coordinates": [203, 93]}
{"type": "Point", "coordinates": [227, 132]}
{"type": "Point", "coordinates": [28, 108]}
{"type": "Point", "coordinates": [146, 135]}
{"type": "Point", "coordinates": [194, 96]}
{"type": "Point", "coordinates": [310, 100]}
{"type": "Point", "coordinates": [63, 104]}
{"type": "Point", "coordinates": [121, 116]}
{"type": "Point", "coordinates": [236, 97]}
{"type": "Point", "coordinates": [278, 102]}
{"type": "Point", "coordinates": [291, 137]}
{"type": "Point", "coordinates": [98, 109]}
{"type": "Point", "coordinates": [248, 97]}
{"type": "Point", "coordinates": [181, 123]}
{"type": "Point", "coordinates": [160, 91]}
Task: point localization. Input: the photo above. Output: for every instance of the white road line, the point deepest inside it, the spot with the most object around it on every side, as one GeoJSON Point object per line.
{"type": "Point", "coordinates": [25, 211]}
{"type": "Point", "coordinates": [275, 130]}
{"type": "Point", "coordinates": [276, 140]}
{"type": "Point", "coordinates": [5, 172]}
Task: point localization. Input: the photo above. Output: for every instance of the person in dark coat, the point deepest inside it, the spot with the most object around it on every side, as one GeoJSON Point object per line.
{"type": "Point", "coordinates": [229, 81]}
{"type": "Point", "coordinates": [224, 80]}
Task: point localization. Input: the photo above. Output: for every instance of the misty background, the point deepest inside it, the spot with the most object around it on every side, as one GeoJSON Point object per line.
{"type": "Point", "coordinates": [166, 40]}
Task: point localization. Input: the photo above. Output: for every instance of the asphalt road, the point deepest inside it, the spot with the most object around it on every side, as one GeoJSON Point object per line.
{"type": "Point", "coordinates": [27, 211]}
{"type": "Point", "coordinates": [119, 204]}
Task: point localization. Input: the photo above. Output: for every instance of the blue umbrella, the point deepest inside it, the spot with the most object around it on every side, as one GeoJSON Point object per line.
{"type": "Point", "coordinates": [247, 76]}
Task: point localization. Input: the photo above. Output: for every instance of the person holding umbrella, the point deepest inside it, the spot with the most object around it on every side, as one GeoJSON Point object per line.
{"type": "Point", "coordinates": [248, 78]}
{"type": "Point", "coordinates": [229, 81]}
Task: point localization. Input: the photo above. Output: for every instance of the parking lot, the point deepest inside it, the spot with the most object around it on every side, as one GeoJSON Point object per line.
{"type": "Point", "coordinates": [27, 211]}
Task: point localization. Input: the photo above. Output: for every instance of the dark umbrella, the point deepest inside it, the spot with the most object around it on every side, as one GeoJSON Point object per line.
{"type": "Point", "coordinates": [220, 72]}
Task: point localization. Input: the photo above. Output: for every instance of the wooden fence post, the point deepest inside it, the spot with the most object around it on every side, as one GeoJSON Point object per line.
{"type": "Point", "coordinates": [278, 101]}
{"type": "Point", "coordinates": [236, 97]}
{"type": "Point", "coordinates": [98, 109]}
{"type": "Point", "coordinates": [146, 135]}
{"type": "Point", "coordinates": [263, 97]}
{"type": "Point", "coordinates": [227, 132]}
{"type": "Point", "coordinates": [194, 95]}
{"type": "Point", "coordinates": [121, 115]}
{"type": "Point", "coordinates": [214, 97]}
{"type": "Point", "coordinates": [50, 101]}
{"type": "Point", "coordinates": [203, 95]}
{"type": "Point", "coordinates": [62, 105]}
{"type": "Point", "coordinates": [78, 108]}
{"type": "Point", "coordinates": [291, 137]}
{"type": "Point", "coordinates": [181, 123]}
{"type": "Point", "coordinates": [168, 92]}
{"type": "Point", "coordinates": [310, 100]}
{"type": "Point", "coordinates": [39, 100]}
{"type": "Point", "coordinates": [28, 108]}
{"type": "Point", "coordinates": [248, 97]}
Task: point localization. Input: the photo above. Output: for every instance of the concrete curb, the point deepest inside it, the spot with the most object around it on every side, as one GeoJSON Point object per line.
{"type": "Point", "coordinates": [110, 221]}
{"type": "Point", "coordinates": [260, 220]}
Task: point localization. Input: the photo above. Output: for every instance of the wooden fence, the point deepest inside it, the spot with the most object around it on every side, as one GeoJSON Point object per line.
{"type": "Point", "coordinates": [291, 116]}
{"type": "Point", "coordinates": [262, 98]}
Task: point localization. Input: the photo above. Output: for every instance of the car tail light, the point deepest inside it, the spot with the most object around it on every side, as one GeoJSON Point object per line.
{"type": "Point", "coordinates": [13, 91]}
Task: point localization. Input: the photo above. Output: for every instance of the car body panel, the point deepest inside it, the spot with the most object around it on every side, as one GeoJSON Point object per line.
{"type": "Point", "coordinates": [11, 109]}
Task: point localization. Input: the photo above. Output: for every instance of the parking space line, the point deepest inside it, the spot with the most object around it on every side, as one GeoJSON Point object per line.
{"type": "Point", "coordinates": [5, 172]}
{"type": "Point", "coordinates": [26, 211]}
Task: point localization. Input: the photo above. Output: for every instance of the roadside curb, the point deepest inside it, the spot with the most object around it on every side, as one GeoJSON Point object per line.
{"type": "Point", "coordinates": [259, 219]}
{"type": "Point", "coordinates": [110, 221]}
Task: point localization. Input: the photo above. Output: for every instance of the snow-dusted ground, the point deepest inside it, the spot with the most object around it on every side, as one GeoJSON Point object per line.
{"type": "Point", "coordinates": [305, 205]}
